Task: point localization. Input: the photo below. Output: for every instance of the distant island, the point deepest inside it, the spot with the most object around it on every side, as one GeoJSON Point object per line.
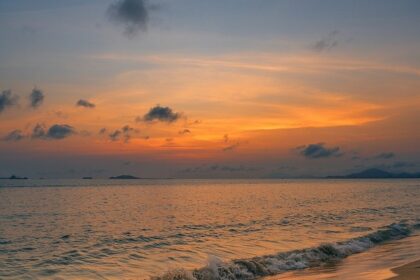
{"type": "Point", "coordinates": [87, 178]}
{"type": "Point", "coordinates": [13, 177]}
{"type": "Point", "coordinates": [375, 173]}
{"type": "Point", "coordinates": [124, 177]}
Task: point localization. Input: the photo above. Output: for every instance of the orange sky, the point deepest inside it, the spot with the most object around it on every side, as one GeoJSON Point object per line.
{"type": "Point", "coordinates": [234, 107]}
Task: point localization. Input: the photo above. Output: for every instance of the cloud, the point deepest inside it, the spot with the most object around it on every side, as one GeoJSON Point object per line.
{"type": "Point", "coordinates": [59, 131]}
{"type": "Point", "coordinates": [115, 135]}
{"type": "Point", "coordinates": [124, 133]}
{"type": "Point", "coordinates": [231, 147]}
{"type": "Point", "coordinates": [55, 132]}
{"type": "Point", "coordinates": [85, 103]}
{"type": "Point", "coordinates": [61, 114]}
{"type": "Point", "coordinates": [385, 155]}
{"type": "Point", "coordinates": [36, 97]}
{"type": "Point", "coordinates": [14, 136]}
{"type": "Point", "coordinates": [327, 43]}
{"type": "Point", "coordinates": [402, 164]}
{"type": "Point", "coordinates": [38, 131]}
{"type": "Point", "coordinates": [184, 131]}
{"type": "Point", "coordinates": [281, 172]}
{"type": "Point", "coordinates": [132, 14]}
{"type": "Point", "coordinates": [226, 138]}
{"type": "Point", "coordinates": [218, 168]}
{"type": "Point", "coordinates": [159, 113]}
{"type": "Point", "coordinates": [315, 151]}
{"type": "Point", "coordinates": [7, 99]}
{"type": "Point", "coordinates": [102, 130]}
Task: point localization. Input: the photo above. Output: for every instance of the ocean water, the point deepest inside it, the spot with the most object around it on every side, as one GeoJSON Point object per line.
{"type": "Point", "coordinates": [199, 229]}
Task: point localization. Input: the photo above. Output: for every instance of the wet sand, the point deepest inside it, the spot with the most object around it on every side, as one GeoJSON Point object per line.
{"type": "Point", "coordinates": [387, 261]}
{"type": "Point", "coordinates": [408, 271]}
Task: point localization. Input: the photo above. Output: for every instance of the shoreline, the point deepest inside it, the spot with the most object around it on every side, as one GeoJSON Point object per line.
{"type": "Point", "coordinates": [407, 271]}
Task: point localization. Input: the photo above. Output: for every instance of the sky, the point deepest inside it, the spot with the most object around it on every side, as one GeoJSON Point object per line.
{"type": "Point", "coordinates": [208, 89]}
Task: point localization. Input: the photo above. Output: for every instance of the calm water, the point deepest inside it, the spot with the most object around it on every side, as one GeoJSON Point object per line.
{"type": "Point", "coordinates": [93, 229]}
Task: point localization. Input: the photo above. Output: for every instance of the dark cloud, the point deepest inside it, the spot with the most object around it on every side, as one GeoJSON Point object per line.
{"type": "Point", "coordinates": [319, 150]}
{"type": "Point", "coordinates": [85, 103]}
{"type": "Point", "coordinates": [7, 99]}
{"type": "Point", "coordinates": [124, 133]}
{"type": "Point", "coordinates": [386, 155]}
{"type": "Point", "coordinates": [132, 14]}
{"type": "Point", "coordinates": [55, 132]}
{"type": "Point", "coordinates": [327, 43]}
{"type": "Point", "coordinates": [159, 113]}
{"type": "Point", "coordinates": [36, 97]}
{"type": "Point", "coordinates": [15, 135]}
{"type": "Point", "coordinates": [59, 131]}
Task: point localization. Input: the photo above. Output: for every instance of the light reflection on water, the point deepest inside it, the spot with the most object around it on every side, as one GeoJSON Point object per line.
{"type": "Point", "coordinates": [135, 229]}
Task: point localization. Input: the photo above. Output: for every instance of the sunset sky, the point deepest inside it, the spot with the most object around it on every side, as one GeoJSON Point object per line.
{"type": "Point", "coordinates": [208, 89]}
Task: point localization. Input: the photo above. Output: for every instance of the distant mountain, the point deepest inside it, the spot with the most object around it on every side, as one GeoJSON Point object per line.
{"type": "Point", "coordinates": [124, 177]}
{"type": "Point", "coordinates": [374, 173]}
{"type": "Point", "coordinates": [13, 177]}
{"type": "Point", "coordinates": [87, 178]}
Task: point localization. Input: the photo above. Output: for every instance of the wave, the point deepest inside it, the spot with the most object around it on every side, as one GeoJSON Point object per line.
{"type": "Point", "coordinates": [285, 261]}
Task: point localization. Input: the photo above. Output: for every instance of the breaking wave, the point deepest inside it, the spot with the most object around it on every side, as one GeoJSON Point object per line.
{"type": "Point", "coordinates": [292, 260]}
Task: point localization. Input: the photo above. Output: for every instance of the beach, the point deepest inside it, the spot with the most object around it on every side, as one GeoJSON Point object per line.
{"type": "Point", "coordinates": [408, 271]}
{"type": "Point", "coordinates": [391, 260]}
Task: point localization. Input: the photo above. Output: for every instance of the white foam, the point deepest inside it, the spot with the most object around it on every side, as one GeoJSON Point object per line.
{"type": "Point", "coordinates": [256, 267]}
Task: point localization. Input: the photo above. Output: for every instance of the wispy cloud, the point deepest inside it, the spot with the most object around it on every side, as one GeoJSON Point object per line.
{"type": "Point", "coordinates": [302, 63]}
{"type": "Point", "coordinates": [231, 147]}
{"type": "Point", "coordinates": [385, 155]}
{"type": "Point", "coordinates": [327, 43]}
{"type": "Point", "coordinates": [14, 136]}
{"type": "Point", "coordinates": [206, 168]}
{"type": "Point", "coordinates": [184, 131]}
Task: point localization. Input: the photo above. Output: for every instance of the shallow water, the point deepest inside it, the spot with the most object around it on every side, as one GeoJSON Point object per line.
{"type": "Point", "coordinates": [112, 229]}
{"type": "Point", "coordinates": [374, 264]}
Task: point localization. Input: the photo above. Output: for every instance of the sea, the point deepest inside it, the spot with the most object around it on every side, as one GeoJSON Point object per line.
{"type": "Point", "coordinates": [207, 229]}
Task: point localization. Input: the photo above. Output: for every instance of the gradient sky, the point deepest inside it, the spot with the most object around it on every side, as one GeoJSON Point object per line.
{"type": "Point", "coordinates": [193, 89]}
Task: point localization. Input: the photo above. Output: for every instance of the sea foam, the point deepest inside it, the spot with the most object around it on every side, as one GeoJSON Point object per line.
{"type": "Point", "coordinates": [292, 260]}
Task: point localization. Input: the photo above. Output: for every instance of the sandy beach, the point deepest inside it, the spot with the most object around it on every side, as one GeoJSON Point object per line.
{"type": "Point", "coordinates": [408, 271]}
